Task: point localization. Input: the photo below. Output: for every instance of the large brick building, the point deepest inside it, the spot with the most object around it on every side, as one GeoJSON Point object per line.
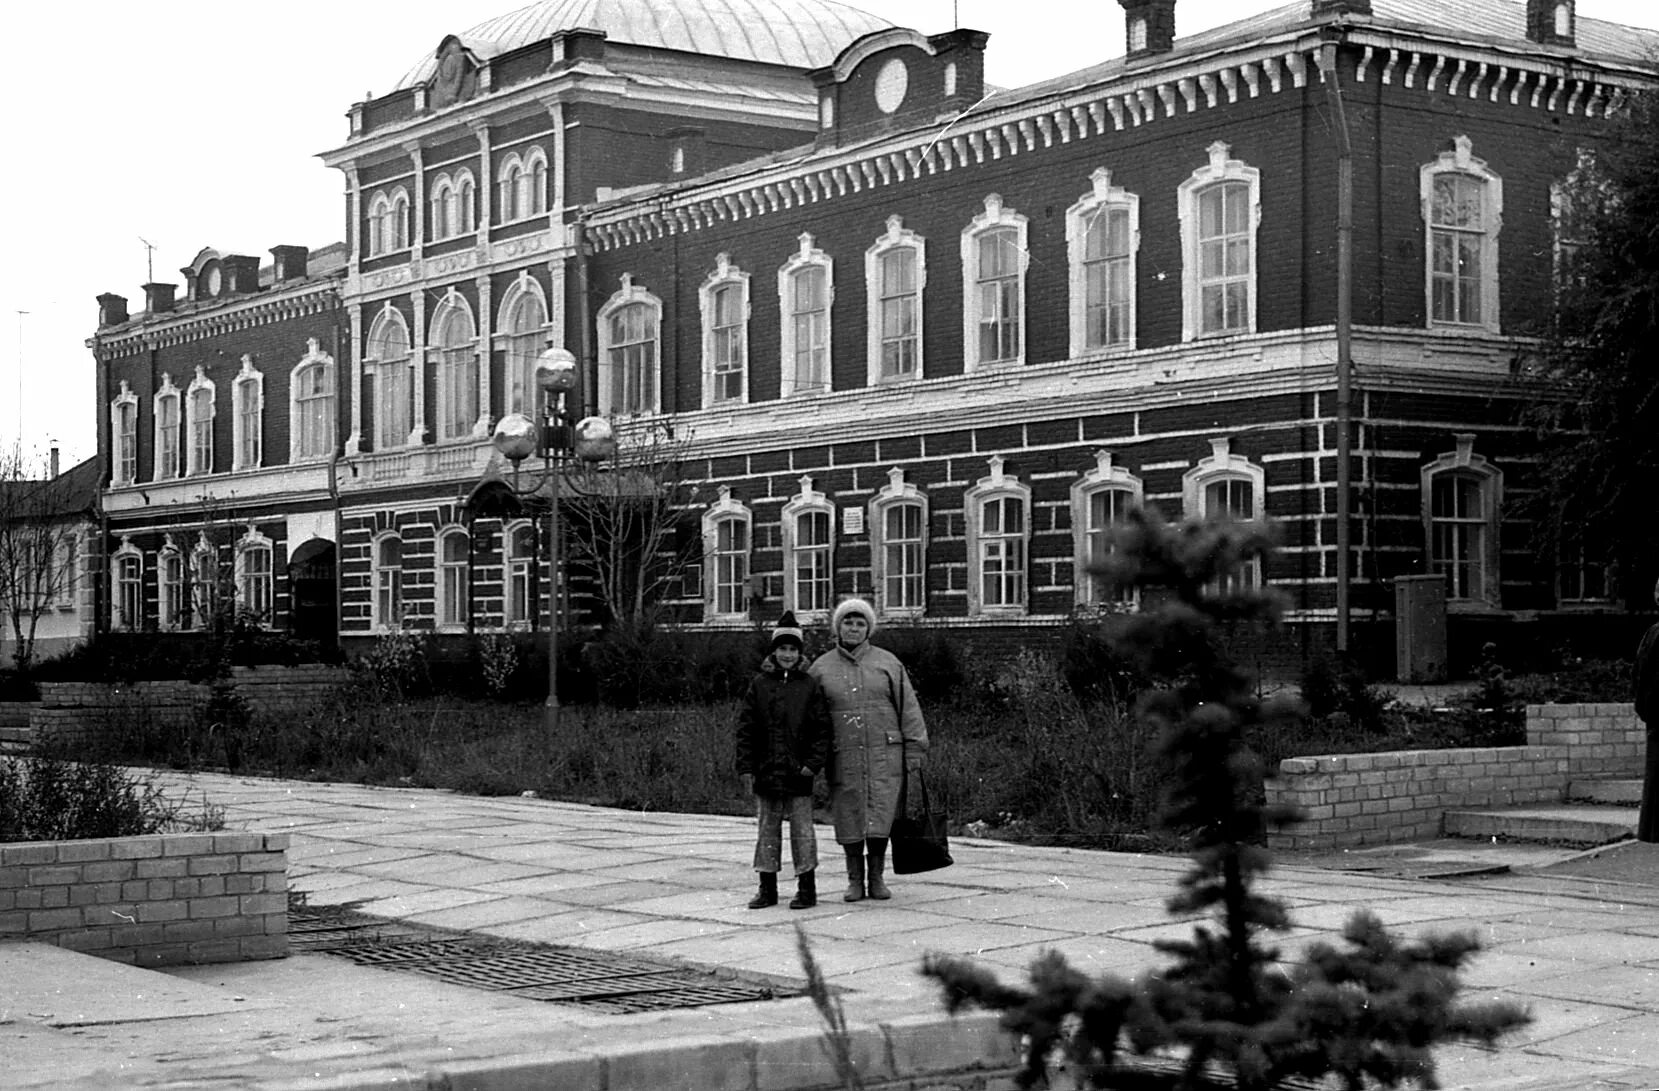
{"type": "Point", "coordinates": [930, 338]}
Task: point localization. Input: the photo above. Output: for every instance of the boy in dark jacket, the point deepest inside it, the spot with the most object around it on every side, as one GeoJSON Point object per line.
{"type": "Point", "coordinates": [783, 740]}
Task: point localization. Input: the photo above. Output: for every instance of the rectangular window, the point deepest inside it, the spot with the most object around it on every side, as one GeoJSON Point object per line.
{"type": "Point", "coordinates": [901, 546]}
{"type": "Point", "coordinates": [388, 583]}
{"type": "Point", "coordinates": [1457, 234]}
{"type": "Point", "coordinates": [316, 410]}
{"type": "Point", "coordinates": [1106, 273]}
{"type": "Point", "coordinates": [731, 566]}
{"type": "Point", "coordinates": [1581, 574]}
{"type": "Point", "coordinates": [201, 432]}
{"type": "Point", "coordinates": [255, 589]}
{"type": "Point", "coordinates": [458, 369]}
{"type": "Point", "coordinates": [811, 561]}
{"type": "Point", "coordinates": [167, 435]}
{"type": "Point", "coordinates": [1457, 519]}
{"type": "Point", "coordinates": [1234, 498]}
{"type": "Point", "coordinates": [204, 587]}
{"type": "Point", "coordinates": [521, 567]}
{"type": "Point", "coordinates": [633, 359]}
{"type": "Point", "coordinates": [129, 592]}
{"type": "Point", "coordinates": [1002, 552]}
{"type": "Point", "coordinates": [998, 283]}
{"type": "Point", "coordinates": [392, 392]}
{"type": "Point", "coordinates": [174, 613]}
{"type": "Point", "coordinates": [248, 455]}
{"type": "Point", "coordinates": [810, 314]}
{"type": "Point", "coordinates": [899, 307]}
{"type": "Point", "coordinates": [126, 443]}
{"type": "Point", "coordinates": [726, 342]}
{"type": "Point", "coordinates": [1106, 509]}
{"type": "Point", "coordinates": [1224, 260]}
{"type": "Point", "coordinates": [452, 579]}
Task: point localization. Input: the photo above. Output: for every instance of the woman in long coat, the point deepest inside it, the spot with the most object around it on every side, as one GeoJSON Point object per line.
{"type": "Point", "coordinates": [879, 734]}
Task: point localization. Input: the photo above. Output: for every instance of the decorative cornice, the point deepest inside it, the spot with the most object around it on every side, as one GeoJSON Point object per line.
{"type": "Point", "coordinates": [253, 312]}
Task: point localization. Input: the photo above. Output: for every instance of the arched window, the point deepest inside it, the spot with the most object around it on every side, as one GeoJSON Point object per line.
{"type": "Point", "coordinates": [255, 595]}
{"type": "Point", "coordinates": [535, 174]}
{"type": "Point", "coordinates": [1462, 493]}
{"type": "Point", "coordinates": [630, 338]}
{"type": "Point", "coordinates": [204, 581]}
{"type": "Point", "coordinates": [169, 430]}
{"type": "Point", "coordinates": [380, 224]}
{"type": "Point", "coordinates": [201, 402]}
{"type": "Point", "coordinates": [510, 189]}
{"type": "Point", "coordinates": [808, 553]}
{"type": "Point", "coordinates": [806, 288]}
{"type": "Point", "coordinates": [123, 422]}
{"type": "Point", "coordinates": [454, 342]}
{"type": "Point", "coordinates": [520, 540]}
{"type": "Point", "coordinates": [172, 605]}
{"type": "Point", "coordinates": [386, 575]}
{"type": "Point", "coordinates": [247, 395]}
{"type": "Point", "coordinates": [466, 203]}
{"type": "Point", "coordinates": [898, 547]}
{"type": "Point", "coordinates": [388, 354]}
{"type": "Point", "coordinates": [1227, 486]}
{"type": "Point", "coordinates": [994, 259]}
{"type": "Point", "coordinates": [726, 559]}
{"type": "Point", "coordinates": [399, 235]}
{"type": "Point", "coordinates": [127, 576]}
{"type": "Point", "coordinates": [454, 562]}
{"type": "Point", "coordinates": [442, 210]}
{"type": "Point", "coordinates": [725, 308]}
{"type": "Point", "coordinates": [1102, 236]}
{"type": "Point", "coordinates": [999, 536]}
{"type": "Point", "coordinates": [524, 335]}
{"type": "Point", "coordinates": [1100, 500]}
{"type": "Point", "coordinates": [312, 409]}
{"type": "Point", "coordinates": [1462, 215]}
{"type": "Point", "coordinates": [1220, 209]}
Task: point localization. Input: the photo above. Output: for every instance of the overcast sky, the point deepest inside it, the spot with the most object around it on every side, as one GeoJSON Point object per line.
{"type": "Point", "coordinates": [196, 123]}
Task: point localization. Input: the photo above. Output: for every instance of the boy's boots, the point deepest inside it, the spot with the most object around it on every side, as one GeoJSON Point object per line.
{"type": "Point", "coordinates": [806, 891]}
{"type": "Point", "coordinates": [878, 864]}
{"type": "Point", "coordinates": [768, 894]}
{"type": "Point", "coordinates": [855, 872]}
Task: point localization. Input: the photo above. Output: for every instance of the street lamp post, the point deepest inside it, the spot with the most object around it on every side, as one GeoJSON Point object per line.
{"type": "Point", "coordinates": [557, 440]}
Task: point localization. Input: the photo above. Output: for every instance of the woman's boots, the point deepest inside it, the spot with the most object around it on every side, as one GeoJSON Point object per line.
{"type": "Point", "coordinates": [768, 894]}
{"type": "Point", "coordinates": [876, 888]}
{"type": "Point", "coordinates": [855, 872]}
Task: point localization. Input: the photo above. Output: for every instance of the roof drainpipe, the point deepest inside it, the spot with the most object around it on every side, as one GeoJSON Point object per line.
{"type": "Point", "coordinates": [1344, 331]}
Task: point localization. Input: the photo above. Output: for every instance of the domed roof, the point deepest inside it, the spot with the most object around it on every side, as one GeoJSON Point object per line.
{"type": "Point", "coordinates": [800, 33]}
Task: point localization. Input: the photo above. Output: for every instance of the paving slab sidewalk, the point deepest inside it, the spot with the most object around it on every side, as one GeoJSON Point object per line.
{"type": "Point", "coordinates": [1581, 950]}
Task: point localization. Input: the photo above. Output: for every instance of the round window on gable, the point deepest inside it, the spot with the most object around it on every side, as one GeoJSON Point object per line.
{"type": "Point", "coordinates": [212, 279]}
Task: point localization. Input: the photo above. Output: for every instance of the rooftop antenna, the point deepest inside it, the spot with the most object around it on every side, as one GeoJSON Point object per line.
{"type": "Point", "coordinates": [149, 259]}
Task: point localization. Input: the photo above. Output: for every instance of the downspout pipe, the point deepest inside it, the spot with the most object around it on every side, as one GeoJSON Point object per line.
{"type": "Point", "coordinates": [1344, 331]}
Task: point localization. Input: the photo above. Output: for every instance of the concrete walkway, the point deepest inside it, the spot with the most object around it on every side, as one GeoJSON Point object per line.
{"type": "Point", "coordinates": [1582, 952]}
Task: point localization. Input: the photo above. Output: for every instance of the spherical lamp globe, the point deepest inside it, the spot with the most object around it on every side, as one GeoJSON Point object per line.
{"type": "Point", "coordinates": [515, 437]}
{"type": "Point", "coordinates": [556, 371]}
{"type": "Point", "coordinates": [595, 439]}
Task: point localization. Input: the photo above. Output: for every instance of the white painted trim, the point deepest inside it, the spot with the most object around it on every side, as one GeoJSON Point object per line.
{"type": "Point", "coordinates": [452, 303]}
{"type": "Point", "coordinates": [1223, 465]}
{"type": "Point", "coordinates": [249, 377]}
{"type": "Point", "coordinates": [1103, 198]}
{"type": "Point", "coordinates": [1459, 160]}
{"type": "Point", "coordinates": [439, 568]}
{"type": "Point", "coordinates": [725, 508]}
{"type": "Point", "coordinates": [1220, 168]}
{"type": "Point", "coordinates": [807, 501]}
{"type": "Point", "coordinates": [524, 288]}
{"type": "Point", "coordinates": [119, 436]}
{"type": "Point", "coordinates": [314, 357]}
{"type": "Point", "coordinates": [725, 274]}
{"type": "Point", "coordinates": [807, 257]}
{"type": "Point", "coordinates": [193, 454]}
{"type": "Point", "coordinates": [159, 470]}
{"type": "Point", "coordinates": [996, 485]}
{"type": "Point", "coordinates": [1462, 460]}
{"type": "Point", "coordinates": [627, 295]}
{"type": "Point", "coordinates": [897, 491]}
{"type": "Point", "coordinates": [897, 235]}
{"type": "Point", "coordinates": [1104, 477]}
{"type": "Point", "coordinates": [995, 216]}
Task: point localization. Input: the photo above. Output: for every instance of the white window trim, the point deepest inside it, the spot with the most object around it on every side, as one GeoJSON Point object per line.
{"type": "Point", "coordinates": [994, 216]}
{"type": "Point", "coordinates": [193, 459]}
{"type": "Point", "coordinates": [117, 463]}
{"type": "Point", "coordinates": [390, 315]}
{"type": "Point", "coordinates": [168, 620]}
{"type": "Point", "coordinates": [532, 201]}
{"type": "Point", "coordinates": [725, 274]}
{"type": "Point", "coordinates": [807, 257]}
{"type": "Point", "coordinates": [314, 357]}
{"type": "Point", "coordinates": [1102, 198]}
{"type": "Point", "coordinates": [378, 224]}
{"type": "Point", "coordinates": [897, 235]}
{"type": "Point", "coordinates": [441, 201]}
{"type": "Point", "coordinates": [629, 294]}
{"type": "Point", "coordinates": [202, 609]}
{"type": "Point", "coordinates": [1463, 459]}
{"type": "Point", "coordinates": [452, 302]}
{"type": "Point", "coordinates": [449, 195]}
{"type": "Point", "coordinates": [808, 500]}
{"type": "Point", "coordinates": [722, 509]}
{"type": "Point", "coordinates": [248, 379]}
{"type": "Point", "coordinates": [400, 229]}
{"type": "Point", "coordinates": [377, 623]}
{"type": "Point", "coordinates": [1224, 464]}
{"type": "Point", "coordinates": [525, 286]}
{"type": "Point", "coordinates": [159, 470]}
{"type": "Point", "coordinates": [1106, 476]}
{"type": "Point", "coordinates": [1459, 160]}
{"type": "Point", "coordinates": [1221, 168]}
{"type": "Point", "coordinates": [122, 552]}
{"type": "Point", "coordinates": [254, 542]}
{"type": "Point", "coordinates": [996, 485]}
{"type": "Point", "coordinates": [532, 599]}
{"type": "Point", "coordinates": [896, 491]}
{"type": "Point", "coordinates": [440, 565]}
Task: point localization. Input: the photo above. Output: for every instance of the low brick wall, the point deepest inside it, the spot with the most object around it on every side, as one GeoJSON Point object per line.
{"type": "Point", "coordinates": [156, 900]}
{"type": "Point", "coordinates": [1403, 795]}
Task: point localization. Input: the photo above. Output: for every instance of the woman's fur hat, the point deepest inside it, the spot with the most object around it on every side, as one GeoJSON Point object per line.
{"type": "Point", "coordinates": [852, 606]}
{"type": "Point", "coordinates": [788, 630]}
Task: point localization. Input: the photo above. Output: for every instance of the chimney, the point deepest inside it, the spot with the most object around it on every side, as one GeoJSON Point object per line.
{"type": "Point", "coordinates": [54, 457]}
{"type": "Point", "coordinates": [241, 274]}
{"type": "Point", "coordinates": [1551, 22]}
{"type": "Point", "coordinates": [158, 298]}
{"type": "Point", "coordinates": [1150, 26]}
{"type": "Point", "coordinates": [1341, 7]}
{"type": "Point", "coordinates": [112, 309]}
{"type": "Point", "coordinates": [290, 262]}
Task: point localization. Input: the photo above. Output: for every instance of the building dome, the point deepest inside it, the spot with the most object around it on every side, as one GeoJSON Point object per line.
{"type": "Point", "coordinates": [799, 34]}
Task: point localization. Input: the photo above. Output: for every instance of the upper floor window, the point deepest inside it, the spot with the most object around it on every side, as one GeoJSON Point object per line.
{"type": "Point", "coordinates": [454, 562]}
{"type": "Point", "coordinates": [808, 548]}
{"type": "Point", "coordinates": [386, 581]}
{"type": "Point", "coordinates": [388, 221]}
{"type": "Point", "coordinates": [520, 607]}
{"type": "Point", "coordinates": [806, 288]}
{"type": "Point", "coordinates": [455, 343]}
{"type": "Point", "coordinates": [127, 575]}
{"type": "Point", "coordinates": [1462, 214]}
{"type": "Point", "coordinates": [1220, 209]}
{"type": "Point", "coordinates": [1462, 492]}
{"type": "Point", "coordinates": [255, 593]}
{"type": "Point", "coordinates": [994, 259]}
{"type": "Point", "coordinates": [898, 547]}
{"type": "Point", "coordinates": [172, 606]}
{"type": "Point", "coordinates": [725, 307]}
{"type": "Point", "coordinates": [524, 334]}
{"type": "Point", "coordinates": [311, 412]}
{"type": "Point", "coordinates": [1100, 502]}
{"type": "Point", "coordinates": [895, 272]}
{"type": "Point", "coordinates": [123, 426]}
{"type": "Point", "coordinates": [247, 395]}
{"type": "Point", "coordinates": [388, 354]}
{"type": "Point", "coordinates": [630, 338]}
{"type": "Point", "coordinates": [169, 428]}
{"type": "Point", "coordinates": [1230, 487]}
{"type": "Point", "coordinates": [521, 185]}
{"type": "Point", "coordinates": [1102, 235]}
{"type": "Point", "coordinates": [999, 536]}
{"type": "Point", "coordinates": [452, 210]}
{"type": "Point", "coordinates": [726, 558]}
{"type": "Point", "coordinates": [201, 399]}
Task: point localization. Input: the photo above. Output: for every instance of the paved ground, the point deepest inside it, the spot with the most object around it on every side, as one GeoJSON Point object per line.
{"type": "Point", "coordinates": [1581, 949]}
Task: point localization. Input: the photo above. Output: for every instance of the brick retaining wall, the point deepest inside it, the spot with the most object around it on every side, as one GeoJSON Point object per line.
{"type": "Point", "coordinates": [1403, 795]}
{"type": "Point", "coordinates": [154, 900]}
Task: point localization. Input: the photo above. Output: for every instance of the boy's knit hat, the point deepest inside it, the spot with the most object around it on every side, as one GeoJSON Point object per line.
{"type": "Point", "coordinates": [853, 606]}
{"type": "Point", "coordinates": [787, 631]}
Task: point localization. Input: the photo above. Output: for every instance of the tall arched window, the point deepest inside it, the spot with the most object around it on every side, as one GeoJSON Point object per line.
{"type": "Point", "coordinates": [1227, 486]}
{"type": "Point", "coordinates": [386, 576]}
{"type": "Point", "coordinates": [204, 582]}
{"type": "Point", "coordinates": [806, 288]}
{"type": "Point", "coordinates": [255, 592]}
{"type": "Point", "coordinates": [123, 422]}
{"type": "Point", "coordinates": [524, 335]}
{"type": "Point", "coordinates": [1462, 493]}
{"type": "Point", "coordinates": [630, 338]}
{"type": "Point", "coordinates": [1462, 215]}
{"type": "Point", "coordinates": [1102, 235]}
{"type": "Point", "coordinates": [520, 607]}
{"type": "Point", "coordinates": [169, 429]}
{"type": "Point", "coordinates": [201, 399]}
{"type": "Point", "coordinates": [379, 224]}
{"type": "Point", "coordinates": [1100, 501]}
{"type": "Point", "coordinates": [898, 547]}
{"type": "Point", "coordinates": [895, 272]}
{"type": "Point", "coordinates": [454, 342]}
{"type": "Point", "coordinates": [535, 173]}
{"type": "Point", "coordinates": [726, 559]}
{"type": "Point", "coordinates": [454, 562]}
{"type": "Point", "coordinates": [999, 534]}
{"type": "Point", "coordinates": [441, 214]}
{"type": "Point", "coordinates": [510, 190]}
{"type": "Point", "coordinates": [171, 605]}
{"type": "Point", "coordinates": [400, 219]}
{"type": "Point", "coordinates": [312, 409]}
{"type": "Point", "coordinates": [466, 203]}
{"type": "Point", "coordinates": [127, 575]}
{"type": "Point", "coordinates": [388, 354]}
{"type": "Point", "coordinates": [808, 553]}
{"type": "Point", "coordinates": [994, 259]}
{"type": "Point", "coordinates": [725, 308]}
{"type": "Point", "coordinates": [1220, 209]}
{"type": "Point", "coordinates": [248, 416]}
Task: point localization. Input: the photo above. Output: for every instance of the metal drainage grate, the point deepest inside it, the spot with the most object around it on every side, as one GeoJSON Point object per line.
{"type": "Point", "coordinates": [594, 980]}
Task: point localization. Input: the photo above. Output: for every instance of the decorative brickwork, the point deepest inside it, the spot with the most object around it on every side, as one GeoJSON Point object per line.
{"type": "Point", "coordinates": [157, 900]}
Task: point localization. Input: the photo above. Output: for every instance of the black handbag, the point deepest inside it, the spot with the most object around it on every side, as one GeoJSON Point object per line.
{"type": "Point", "coordinates": [919, 844]}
